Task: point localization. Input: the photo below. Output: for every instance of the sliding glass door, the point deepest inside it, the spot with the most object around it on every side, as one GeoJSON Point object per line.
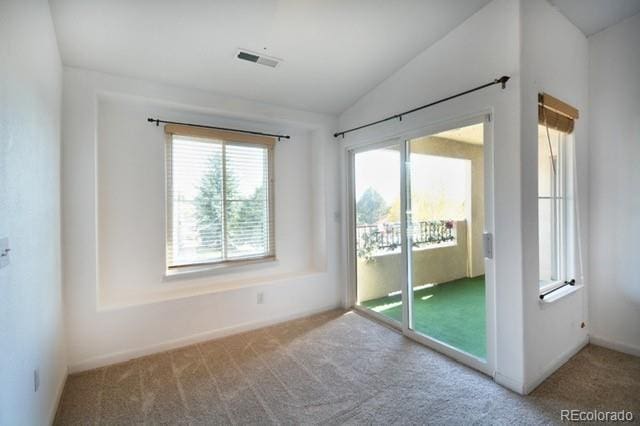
{"type": "Point", "coordinates": [446, 212]}
{"type": "Point", "coordinates": [378, 237]}
{"type": "Point", "coordinates": [419, 218]}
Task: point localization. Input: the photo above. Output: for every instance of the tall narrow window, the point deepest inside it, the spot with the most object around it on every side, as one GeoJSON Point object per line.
{"type": "Point", "coordinates": [219, 197]}
{"type": "Point", "coordinates": [552, 190]}
{"type": "Point", "coordinates": [555, 191]}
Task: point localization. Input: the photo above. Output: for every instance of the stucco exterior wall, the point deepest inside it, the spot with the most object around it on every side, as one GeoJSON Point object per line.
{"type": "Point", "coordinates": [438, 264]}
{"type": "Point", "coordinates": [475, 153]}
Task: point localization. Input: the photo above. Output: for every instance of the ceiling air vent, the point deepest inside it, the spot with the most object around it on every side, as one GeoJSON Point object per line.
{"type": "Point", "coordinates": [269, 61]}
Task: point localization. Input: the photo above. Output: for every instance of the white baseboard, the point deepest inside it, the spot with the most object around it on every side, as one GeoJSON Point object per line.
{"type": "Point", "coordinates": [613, 345]}
{"type": "Point", "coordinates": [509, 383]}
{"type": "Point", "coordinates": [122, 356]}
{"type": "Point", "coordinates": [553, 366]}
{"type": "Point", "coordinates": [58, 397]}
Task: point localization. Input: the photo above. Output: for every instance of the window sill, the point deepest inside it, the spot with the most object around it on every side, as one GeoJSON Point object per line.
{"type": "Point", "coordinates": [561, 294]}
{"type": "Point", "coordinates": [115, 300]}
{"type": "Point", "coordinates": [549, 285]}
{"type": "Point", "coordinates": [214, 269]}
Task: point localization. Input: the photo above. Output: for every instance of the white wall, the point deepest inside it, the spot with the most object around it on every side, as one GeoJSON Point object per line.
{"type": "Point", "coordinates": [31, 315]}
{"type": "Point", "coordinates": [131, 204]}
{"type": "Point", "coordinates": [483, 48]}
{"type": "Point", "coordinates": [554, 59]}
{"type": "Point", "coordinates": [614, 179]}
{"type": "Point", "coordinates": [119, 303]}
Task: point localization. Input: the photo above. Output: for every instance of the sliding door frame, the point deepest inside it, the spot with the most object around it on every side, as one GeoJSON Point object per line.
{"type": "Point", "coordinates": [406, 327]}
{"type": "Point", "coordinates": [353, 274]}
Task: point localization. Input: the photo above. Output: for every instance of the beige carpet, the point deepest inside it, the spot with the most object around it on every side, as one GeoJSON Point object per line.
{"type": "Point", "coordinates": [334, 368]}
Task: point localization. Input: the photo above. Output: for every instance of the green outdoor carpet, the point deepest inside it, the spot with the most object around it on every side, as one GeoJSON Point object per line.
{"type": "Point", "coordinates": [451, 312]}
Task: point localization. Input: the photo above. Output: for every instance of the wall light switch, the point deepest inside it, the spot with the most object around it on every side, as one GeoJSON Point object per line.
{"type": "Point", "coordinates": [487, 245]}
{"type": "Point", "coordinates": [4, 252]}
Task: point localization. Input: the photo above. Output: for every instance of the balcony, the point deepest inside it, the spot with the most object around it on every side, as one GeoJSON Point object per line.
{"type": "Point", "coordinates": [448, 300]}
{"type": "Point", "coordinates": [439, 254]}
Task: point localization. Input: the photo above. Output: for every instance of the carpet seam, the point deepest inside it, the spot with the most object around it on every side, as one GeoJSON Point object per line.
{"type": "Point", "coordinates": [216, 384]}
{"type": "Point", "coordinates": [251, 385]}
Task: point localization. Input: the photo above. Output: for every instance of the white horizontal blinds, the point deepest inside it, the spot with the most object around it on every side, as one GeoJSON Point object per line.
{"type": "Point", "coordinates": [219, 200]}
{"type": "Point", "coordinates": [248, 220]}
{"type": "Point", "coordinates": [196, 201]}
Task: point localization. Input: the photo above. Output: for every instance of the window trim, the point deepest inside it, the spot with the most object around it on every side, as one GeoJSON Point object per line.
{"type": "Point", "coordinates": [221, 135]}
{"type": "Point", "coordinates": [225, 138]}
{"type": "Point", "coordinates": [216, 267]}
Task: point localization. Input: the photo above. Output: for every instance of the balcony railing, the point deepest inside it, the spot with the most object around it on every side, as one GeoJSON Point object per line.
{"type": "Point", "coordinates": [377, 239]}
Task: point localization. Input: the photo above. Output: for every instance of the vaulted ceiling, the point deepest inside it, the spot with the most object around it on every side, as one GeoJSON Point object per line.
{"type": "Point", "coordinates": [592, 16]}
{"type": "Point", "coordinates": [333, 51]}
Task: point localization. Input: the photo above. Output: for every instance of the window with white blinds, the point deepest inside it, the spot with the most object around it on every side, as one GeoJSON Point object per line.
{"type": "Point", "coordinates": [219, 200]}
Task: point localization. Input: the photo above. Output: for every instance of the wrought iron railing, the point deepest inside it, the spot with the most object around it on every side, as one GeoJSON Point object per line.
{"type": "Point", "coordinates": [386, 237]}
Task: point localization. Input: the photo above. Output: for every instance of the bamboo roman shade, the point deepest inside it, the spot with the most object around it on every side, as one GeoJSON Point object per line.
{"type": "Point", "coordinates": [556, 114]}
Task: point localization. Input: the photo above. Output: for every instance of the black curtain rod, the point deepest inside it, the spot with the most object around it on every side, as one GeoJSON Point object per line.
{"type": "Point", "coordinates": [250, 132]}
{"type": "Point", "coordinates": [566, 283]}
{"type": "Point", "coordinates": [502, 80]}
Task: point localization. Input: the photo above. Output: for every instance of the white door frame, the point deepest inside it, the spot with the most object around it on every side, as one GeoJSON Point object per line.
{"type": "Point", "coordinates": [486, 366]}
{"type": "Point", "coordinates": [351, 227]}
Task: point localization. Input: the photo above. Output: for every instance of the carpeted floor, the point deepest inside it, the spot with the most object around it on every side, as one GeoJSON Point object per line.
{"type": "Point", "coordinates": [452, 312]}
{"type": "Point", "coordinates": [334, 368]}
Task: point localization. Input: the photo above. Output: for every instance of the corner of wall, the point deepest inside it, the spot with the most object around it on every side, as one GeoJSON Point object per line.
{"type": "Point", "coordinates": [552, 333]}
{"type": "Point", "coordinates": [614, 345]}
{"type": "Point", "coordinates": [613, 287]}
{"type": "Point", "coordinates": [512, 384]}
{"type": "Point", "coordinates": [55, 403]}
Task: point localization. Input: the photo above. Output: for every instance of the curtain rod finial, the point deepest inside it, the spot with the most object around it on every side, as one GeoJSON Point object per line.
{"type": "Point", "coordinates": [503, 81]}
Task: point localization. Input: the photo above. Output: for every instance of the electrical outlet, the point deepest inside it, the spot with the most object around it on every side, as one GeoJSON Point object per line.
{"type": "Point", "coordinates": [36, 380]}
{"type": "Point", "coordinates": [4, 252]}
{"type": "Point", "coordinates": [260, 298]}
